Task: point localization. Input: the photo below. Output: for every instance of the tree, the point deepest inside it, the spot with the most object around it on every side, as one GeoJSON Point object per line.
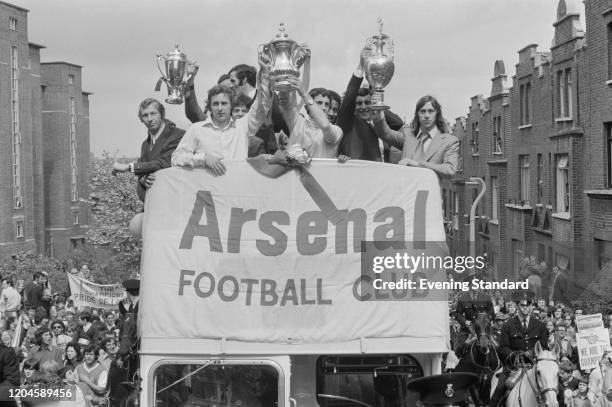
{"type": "Point", "coordinates": [21, 266]}
{"type": "Point", "coordinates": [114, 250]}
{"type": "Point", "coordinates": [111, 252]}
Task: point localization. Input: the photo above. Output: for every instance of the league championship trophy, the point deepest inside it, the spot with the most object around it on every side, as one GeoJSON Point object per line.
{"type": "Point", "coordinates": [378, 66]}
{"type": "Point", "coordinates": [286, 56]}
{"type": "Point", "coordinates": [174, 75]}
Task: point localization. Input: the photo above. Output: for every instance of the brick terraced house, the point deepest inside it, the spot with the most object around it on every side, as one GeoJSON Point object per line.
{"type": "Point", "coordinates": [542, 143]}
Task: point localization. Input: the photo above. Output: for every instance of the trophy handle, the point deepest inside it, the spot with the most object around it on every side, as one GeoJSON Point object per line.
{"type": "Point", "coordinates": [158, 85]}
{"type": "Point", "coordinates": [159, 58]}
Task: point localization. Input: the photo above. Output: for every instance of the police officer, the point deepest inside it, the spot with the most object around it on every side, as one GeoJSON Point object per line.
{"type": "Point", "coordinates": [449, 389]}
{"type": "Point", "coordinates": [519, 336]}
{"type": "Point", "coordinates": [471, 303]}
{"type": "Point", "coordinates": [130, 304]}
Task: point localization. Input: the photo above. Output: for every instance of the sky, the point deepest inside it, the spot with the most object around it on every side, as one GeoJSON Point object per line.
{"type": "Point", "coordinates": [446, 48]}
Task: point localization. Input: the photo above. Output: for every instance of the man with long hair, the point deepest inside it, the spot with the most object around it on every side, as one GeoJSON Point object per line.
{"type": "Point", "coordinates": [426, 142]}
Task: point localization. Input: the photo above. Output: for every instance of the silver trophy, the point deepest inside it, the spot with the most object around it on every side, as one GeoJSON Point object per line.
{"type": "Point", "coordinates": [174, 74]}
{"type": "Point", "coordinates": [286, 56]}
{"type": "Point", "coordinates": [378, 65]}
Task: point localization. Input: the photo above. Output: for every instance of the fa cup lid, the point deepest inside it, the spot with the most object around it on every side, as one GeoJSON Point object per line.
{"type": "Point", "coordinates": [281, 36]}
{"type": "Point", "coordinates": [176, 52]}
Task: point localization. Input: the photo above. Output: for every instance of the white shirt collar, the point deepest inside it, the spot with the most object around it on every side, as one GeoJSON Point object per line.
{"type": "Point", "coordinates": [209, 123]}
{"type": "Point", "coordinates": [433, 133]}
{"type": "Point", "coordinates": [155, 136]}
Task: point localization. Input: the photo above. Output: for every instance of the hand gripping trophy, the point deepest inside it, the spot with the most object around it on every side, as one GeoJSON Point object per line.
{"type": "Point", "coordinates": [177, 72]}
{"type": "Point", "coordinates": [286, 57]}
{"type": "Point", "coordinates": [378, 65]}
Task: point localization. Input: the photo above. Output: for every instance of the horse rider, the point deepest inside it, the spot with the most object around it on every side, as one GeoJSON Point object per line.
{"type": "Point", "coordinates": [130, 303]}
{"type": "Point", "coordinates": [472, 303]}
{"type": "Point", "coordinates": [500, 320]}
{"type": "Point", "coordinates": [519, 336]}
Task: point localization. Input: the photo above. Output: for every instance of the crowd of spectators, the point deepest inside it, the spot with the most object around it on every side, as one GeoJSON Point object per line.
{"type": "Point", "coordinates": [55, 343]}
{"type": "Point", "coordinates": [560, 321]}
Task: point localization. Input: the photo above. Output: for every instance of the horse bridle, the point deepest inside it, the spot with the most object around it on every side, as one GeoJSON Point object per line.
{"type": "Point", "coordinates": [539, 393]}
{"type": "Point", "coordinates": [486, 357]}
{"type": "Point", "coordinates": [490, 346]}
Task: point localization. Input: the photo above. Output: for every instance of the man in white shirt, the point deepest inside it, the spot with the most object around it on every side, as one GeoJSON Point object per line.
{"type": "Point", "coordinates": [313, 132]}
{"type": "Point", "coordinates": [207, 143]}
{"type": "Point", "coordinates": [10, 299]}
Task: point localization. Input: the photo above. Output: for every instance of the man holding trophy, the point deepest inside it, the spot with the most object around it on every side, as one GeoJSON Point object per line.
{"type": "Point", "coordinates": [314, 133]}
{"type": "Point", "coordinates": [355, 113]}
{"type": "Point", "coordinates": [207, 143]}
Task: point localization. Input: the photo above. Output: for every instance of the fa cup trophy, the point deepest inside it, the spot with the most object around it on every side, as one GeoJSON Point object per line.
{"type": "Point", "coordinates": [378, 65]}
{"type": "Point", "coordinates": [286, 56]}
{"type": "Point", "coordinates": [174, 75]}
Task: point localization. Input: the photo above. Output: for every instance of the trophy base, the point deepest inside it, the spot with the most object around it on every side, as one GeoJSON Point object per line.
{"type": "Point", "coordinates": [282, 86]}
{"type": "Point", "coordinates": [377, 107]}
{"type": "Point", "coordinates": [279, 79]}
{"type": "Point", "coordinates": [174, 100]}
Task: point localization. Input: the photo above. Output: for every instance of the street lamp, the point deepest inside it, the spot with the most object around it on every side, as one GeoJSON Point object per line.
{"type": "Point", "coordinates": [483, 188]}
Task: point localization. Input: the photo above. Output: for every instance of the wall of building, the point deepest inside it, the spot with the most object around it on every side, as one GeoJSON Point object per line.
{"type": "Point", "coordinates": [44, 146]}
{"type": "Point", "coordinates": [23, 213]}
{"type": "Point", "coordinates": [537, 225]}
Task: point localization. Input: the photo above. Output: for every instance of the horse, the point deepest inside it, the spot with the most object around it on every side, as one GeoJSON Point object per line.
{"type": "Point", "coordinates": [479, 355]}
{"type": "Point", "coordinates": [123, 381]}
{"type": "Point", "coordinates": [538, 385]}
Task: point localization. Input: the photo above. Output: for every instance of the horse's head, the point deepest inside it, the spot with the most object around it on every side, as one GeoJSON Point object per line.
{"type": "Point", "coordinates": [129, 336]}
{"type": "Point", "coordinates": [482, 330]}
{"type": "Point", "coordinates": [547, 374]}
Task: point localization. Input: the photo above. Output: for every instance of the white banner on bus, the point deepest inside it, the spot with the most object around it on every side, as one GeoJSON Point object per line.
{"type": "Point", "coordinates": [245, 257]}
{"type": "Point", "coordinates": [87, 294]}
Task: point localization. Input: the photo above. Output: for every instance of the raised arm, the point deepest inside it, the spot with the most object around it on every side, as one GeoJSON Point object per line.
{"type": "Point", "coordinates": [261, 105]}
{"type": "Point", "coordinates": [331, 133]}
{"type": "Point", "coordinates": [346, 111]}
{"type": "Point", "coordinates": [393, 137]}
{"type": "Point", "coordinates": [393, 120]}
{"type": "Point", "coordinates": [192, 110]}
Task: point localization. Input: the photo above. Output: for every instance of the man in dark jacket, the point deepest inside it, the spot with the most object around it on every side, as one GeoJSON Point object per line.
{"type": "Point", "coordinates": [518, 338]}
{"type": "Point", "coordinates": [35, 293]}
{"type": "Point", "coordinates": [472, 303]}
{"type": "Point", "coordinates": [156, 151]}
{"type": "Point", "coordinates": [360, 141]}
{"type": "Point", "coordinates": [9, 374]}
